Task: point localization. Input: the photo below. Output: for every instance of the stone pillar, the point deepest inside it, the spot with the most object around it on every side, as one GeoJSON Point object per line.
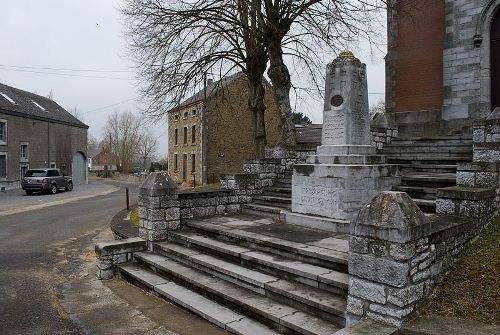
{"type": "Point", "coordinates": [159, 207]}
{"type": "Point", "coordinates": [346, 172]}
{"type": "Point", "coordinates": [389, 260]}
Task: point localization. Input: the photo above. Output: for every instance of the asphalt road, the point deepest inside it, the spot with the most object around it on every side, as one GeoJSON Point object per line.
{"type": "Point", "coordinates": [28, 257]}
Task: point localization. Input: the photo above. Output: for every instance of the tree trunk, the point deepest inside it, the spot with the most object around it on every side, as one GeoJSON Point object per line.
{"type": "Point", "coordinates": [280, 79]}
{"type": "Point", "coordinates": [258, 108]}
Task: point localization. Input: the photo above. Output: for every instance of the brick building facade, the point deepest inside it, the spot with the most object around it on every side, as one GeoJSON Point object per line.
{"type": "Point", "coordinates": [439, 67]}
{"type": "Point", "coordinates": [36, 132]}
{"type": "Point", "coordinates": [228, 140]}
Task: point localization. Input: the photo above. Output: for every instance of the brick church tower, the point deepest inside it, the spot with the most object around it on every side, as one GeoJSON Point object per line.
{"type": "Point", "coordinates": [443, 64]}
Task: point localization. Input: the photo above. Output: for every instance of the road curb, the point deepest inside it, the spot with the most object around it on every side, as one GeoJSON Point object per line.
{"type": "Point", "coordinates": [58, 202]}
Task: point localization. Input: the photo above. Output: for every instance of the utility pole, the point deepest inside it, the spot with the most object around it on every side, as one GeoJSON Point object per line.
{"type": "Point", "coordinates": [204, 132]}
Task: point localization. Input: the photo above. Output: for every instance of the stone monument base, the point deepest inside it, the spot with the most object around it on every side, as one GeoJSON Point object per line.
{"type": "Point", "coordinates": [338, 186]}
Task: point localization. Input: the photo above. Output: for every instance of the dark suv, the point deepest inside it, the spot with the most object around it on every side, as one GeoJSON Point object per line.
{"type": "Point", "coordinates": [49, 180]}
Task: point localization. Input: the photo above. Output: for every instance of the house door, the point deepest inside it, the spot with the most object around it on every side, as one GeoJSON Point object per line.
{"type": "Point", "coordinates": [495, 62]}
{"type": "Point", "coordinates": [184, 167]}
{"type": "Point", "coordinates": [79, 169]}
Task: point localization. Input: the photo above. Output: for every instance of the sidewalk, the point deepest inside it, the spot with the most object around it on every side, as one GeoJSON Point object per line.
{"type": "Point", "coordinates": [16, 201]}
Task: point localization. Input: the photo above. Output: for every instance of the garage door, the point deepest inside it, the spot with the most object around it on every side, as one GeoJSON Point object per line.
{"type": "Point", "coordinates": [79, 169]}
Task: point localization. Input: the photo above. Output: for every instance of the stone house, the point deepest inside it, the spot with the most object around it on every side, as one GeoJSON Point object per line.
{"type": "Point", "coordinates": [36, 132]}
{"type": "Point", "coordinates": [203, 147]}
{"type": "Point", "coordinates": [442, 65]}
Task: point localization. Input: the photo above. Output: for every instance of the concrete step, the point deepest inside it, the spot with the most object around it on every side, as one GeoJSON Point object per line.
{"type": "Point", "coordinates": [428, 159]}
{"type": "Point", "coordinates": [273, 199]}
{"type": "Point", "coordinates": [276, 189]}
{"type": "Point", "coordinates": [260, 209]}
{"type": "Point", "coordinates": [432, 180]}
{"type": "Point", "coordinates": [197, 303]}
{"type": "Point", "coordinates": [281, 299]}
{"type": "Point", "coordinates": [432, 168]}
{"type": "Point", "coordinates": [282, 183]}
{"type": "Point", "coordinates": [428, 193]}
{"type": "Point", "coordinates": [329, 252]}
{"type": "Point", "coordinates": [426, 205]}
{"type": "Point", "coordinates": [256, 268]}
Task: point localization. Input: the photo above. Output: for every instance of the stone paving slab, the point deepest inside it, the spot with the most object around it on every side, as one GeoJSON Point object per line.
{"type": "Point", "coordinates": [301, 320]}
{"type": "Point", "coordinates": [198, 304]}
{"type": "Point", "coordinates": [248, 326]}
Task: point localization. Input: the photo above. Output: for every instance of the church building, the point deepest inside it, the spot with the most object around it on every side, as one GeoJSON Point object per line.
{"type": "Point", "coordinates": [443, 65]}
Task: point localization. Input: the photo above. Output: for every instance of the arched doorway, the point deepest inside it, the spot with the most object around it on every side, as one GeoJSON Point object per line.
{"type": "Point", "coordinates": [495, 61]}
{"type": "Point", "coordinates": [79, 169]}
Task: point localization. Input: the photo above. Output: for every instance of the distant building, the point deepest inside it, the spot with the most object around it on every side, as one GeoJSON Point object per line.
{"type": "Point", "coordinates": [443, 64]}
{"type": "Point", "coordinates": [229, 137]}
{"type": "Point", "coordinates": [36, 132]}
{"type": "Point", "coordinates": [101, 160]}
{"type": "Point", "coordinates": [309, 134]}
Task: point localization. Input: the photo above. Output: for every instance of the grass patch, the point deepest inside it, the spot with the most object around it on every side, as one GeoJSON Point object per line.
{"type": "Point", "coordinates": [134, 217]}
{"type": "Point", "coordinates": [472, 289]}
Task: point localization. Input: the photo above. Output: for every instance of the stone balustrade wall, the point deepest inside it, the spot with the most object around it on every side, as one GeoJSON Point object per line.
{"type": "Point", "coordinates": [196, 204]}
{"type": "Point", "coordinates": [382, 136]}
{"type": "Point", "coordinates": [397, 257]}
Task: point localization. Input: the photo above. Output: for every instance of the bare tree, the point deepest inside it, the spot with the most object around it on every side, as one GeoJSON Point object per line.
{"type": "Point", "coordinates": [122, 130]}
{"type": "Point", "coordinates": [175, 43]}
{"type": "Point", "coordinates": [147, 148]}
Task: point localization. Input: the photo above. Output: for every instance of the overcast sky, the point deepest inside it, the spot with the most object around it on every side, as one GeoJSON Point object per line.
{"type": "Point", "coordinates": [41, 37]}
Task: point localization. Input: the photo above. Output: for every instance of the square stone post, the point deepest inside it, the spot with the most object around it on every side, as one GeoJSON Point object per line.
{"type": "Point", "coordinates": [389, 260]}
{"type": "Point", "coordinates": [159, 207]}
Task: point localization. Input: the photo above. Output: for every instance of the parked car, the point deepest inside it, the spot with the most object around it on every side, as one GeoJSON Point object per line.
{"type": "Point", "coordinates": [45, 180]}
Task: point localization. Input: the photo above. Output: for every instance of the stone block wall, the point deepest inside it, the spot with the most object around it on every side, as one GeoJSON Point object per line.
{"type": "Point", "coordinates": [486, 136]}
{"type": "Point", "coordinates": [397, 257]}
{"type": "Point", "coordinates": [288, 156]}
{"type": "Point", "coordinates": [108, 254]}
{"type": "Point", "coordinates": [382, 136]}
{"type": "Point", "coordinates": [195, 204]}
{"type": "Point", "coordinates": [471, 202]}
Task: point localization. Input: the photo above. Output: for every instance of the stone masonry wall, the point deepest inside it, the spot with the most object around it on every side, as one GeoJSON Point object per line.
{"type": "Point", "coordinates": [195, 204]}
{"type": "Point", "coordinates": [382, 136]}
{"type": "Point", "coordinates": [288, 157]}
{"type": "Point", "coordinates": [397, 257]}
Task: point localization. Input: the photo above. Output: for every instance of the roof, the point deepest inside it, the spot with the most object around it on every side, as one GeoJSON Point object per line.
{"type": "Point", "coordinates": [212, 89]}
{"type": "Point", "coordinates": [307, 134]}
{"type": "Point", "coordinates": [94, 152]}
{"type": "Point", "coordinates": [34, 106]}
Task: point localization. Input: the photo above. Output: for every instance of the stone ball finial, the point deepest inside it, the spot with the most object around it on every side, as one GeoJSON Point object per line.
{"type": "Point", "coordinates": [392, 216]}
{"type": "Point", "coordinates": [158, 184]}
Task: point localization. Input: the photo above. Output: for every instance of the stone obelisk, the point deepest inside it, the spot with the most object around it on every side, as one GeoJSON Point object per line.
{"type": "Point", "coordinates": [346, 172]}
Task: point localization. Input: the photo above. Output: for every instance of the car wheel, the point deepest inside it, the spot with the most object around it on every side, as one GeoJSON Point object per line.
{"type": "Point", "coordinates": [53, 189]}
{"type": "Point", "coordinates": [69, 187]}
{"type": "Point", "coordinates": [29, 192]}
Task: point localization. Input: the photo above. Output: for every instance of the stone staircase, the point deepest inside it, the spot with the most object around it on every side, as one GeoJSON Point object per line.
{"type": "Point", "coordinates": [247, 277]}
{"type": "Point", "coordinates": [274, 199]}
{"type": "Point", "coordinates": [427, 164]}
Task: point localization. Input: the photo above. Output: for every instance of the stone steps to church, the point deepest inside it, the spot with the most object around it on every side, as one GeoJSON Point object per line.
{"type": "Point", "coordinates": [329, 251]}
{"type": "Point", "coordinates": [260, 209]}
{"type": "Point", "coordinates": [255, 294]}
{"type": "Point", "coordinates": [426, 205]}
{"type": "Point", "coordinates": [248, 267]}
{"type": "Point", "coordinates": [197, 303]}
{"type": "Point", "coordinates": [445, 140]}
{"type": "Point", "coordinates": [417, 192]}
{"type": "Point", "coordinates": [283, 183]}
{"type": "Point", "coordinates": [238, 310]}
{"type": "Point", "coordinates": [275, 189]}
{"type": "Point", "coordinates": [434, 180]}
{"type": "Point", "coordinates": [273, 199]}
{"type": "Point", "coordinates": [428, 168]}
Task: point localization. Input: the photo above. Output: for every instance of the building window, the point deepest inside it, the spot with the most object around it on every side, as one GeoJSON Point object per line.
{"type": "Point", "coordinates": [185, 115]}
{"type": "Point", "coordinates": [176, 117]}
{"type": "Point", "coordinates": [185, 135]}
{"type": "Point", "coordinates": [193, 163]}
{"type": "Point", "coordinates": [24, 168]}
{"type": "Point", "coordinates": [24, 152]}
{"type": "Point", "coordinates": [52, 165]}
{"type": "Point", "coordinates": [193, 134]}
{"type": "Point", "coordinates": [176, 136]}
{"type": "Point", "coordinates": [193, 112]}
{"type": "Point", "coordinates": [176, 163]}
{"type": "Point", "coordinates": [3, 131]}
{"type": "Point", "coordinates": [3, 165]}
